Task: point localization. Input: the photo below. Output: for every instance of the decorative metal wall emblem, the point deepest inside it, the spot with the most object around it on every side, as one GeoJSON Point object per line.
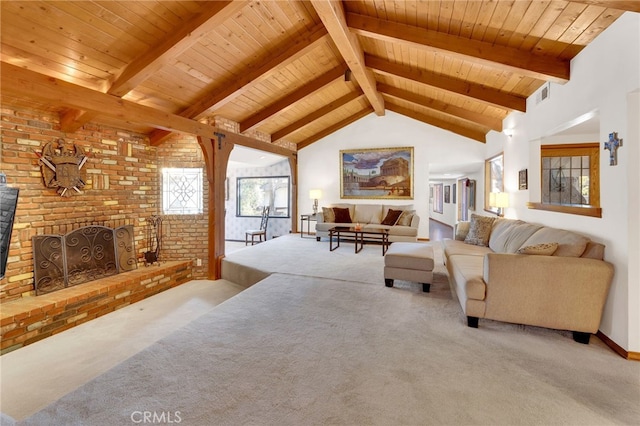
{"type": "Point", "coordinates": [61, 164]}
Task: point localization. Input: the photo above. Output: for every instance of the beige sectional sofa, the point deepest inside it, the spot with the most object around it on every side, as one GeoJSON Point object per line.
{"type": "Point", "coordinates": [371, 216]}
{"type": "Point", "coordinates": [524, 273]}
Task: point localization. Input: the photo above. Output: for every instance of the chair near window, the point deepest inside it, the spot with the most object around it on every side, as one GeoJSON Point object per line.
{"type": "Point", "coordinates": [260, 233]}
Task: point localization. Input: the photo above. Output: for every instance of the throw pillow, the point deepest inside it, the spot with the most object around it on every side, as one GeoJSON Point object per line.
{"type": "Point", "coordinates": [328, 215]}
{"type": "Point", "coordinates": [479, 230]}
{"type": "Point", "coordinates": [544, 249]}
{"type": "Point", "coordinates": [392, 217]}
{"type": "Point", "coordinates": [405, 218]}
{"type": "Point", "coordinates": [342, 215]}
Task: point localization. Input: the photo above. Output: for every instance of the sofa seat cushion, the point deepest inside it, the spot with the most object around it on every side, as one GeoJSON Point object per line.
{"type": "Point", "coordinates": [454, 247]}
{"type": "Point", "coordinates": [325, 226]}
{"type": "Point", "coordinates": [403, 231]}
{"type": "Point", "coordinates": [415, 256]}
{"type": "Point", "coordinates": [570, 244]}
{"type": "Point", "coordinates": [468, 271]}
{"type": "Point", "coordinates": [508, 235]}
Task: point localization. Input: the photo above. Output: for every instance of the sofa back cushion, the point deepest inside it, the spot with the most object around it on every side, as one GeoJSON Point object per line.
{"type": "Point", "coordinates": [479, 230]}
{"type": "Point", "coordinates": [594, 251]}
{"type": "Point", "coordinates": [508, 235]}
{"type": "Point", "coordinates": [367, 213]}
{"type": "Point", "coordinates": [570, 244]}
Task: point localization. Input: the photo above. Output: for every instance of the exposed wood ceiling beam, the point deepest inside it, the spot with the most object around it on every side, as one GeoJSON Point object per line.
{"type": "Point", "coordinates": [72, 119]}
{"type": "Point", "coordinates": [476, 92]}
{"type": "Point", "coordinates": [630, 5]}
{"type": "Point", "coordinates": [151, 61]}
{"type": "Point", "coordinates": [462, 131]}
{"type": "Point", "coordinates": [500, 57]}
{"type": "Point", "coordinates": [310, 118]}
{"type": "Point", "coordinates": [332, 14]}
{"type": "Point", "coordinates": [22, 83]}
{"type": "Point", "coordinates": [442, 107]}
{"type": "Point", "coordinates": [339, 125]}
{"type": "Point", "coordinates": [185, 36]}
{"type": "Point", "coordinates": [228, 91]}
{"type": "Point", "coordinates": [283, 104]}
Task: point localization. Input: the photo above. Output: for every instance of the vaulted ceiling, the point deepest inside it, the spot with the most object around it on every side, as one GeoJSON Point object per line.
{"type": "Point", "coordinates": [294, 70]}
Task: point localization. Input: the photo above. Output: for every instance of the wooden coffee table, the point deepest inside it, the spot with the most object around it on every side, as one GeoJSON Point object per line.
{"type": "Point", "coordinates": [376, 234]}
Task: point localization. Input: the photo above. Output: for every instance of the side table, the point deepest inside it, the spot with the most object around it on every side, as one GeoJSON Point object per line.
{"type": "Point", "coordinates": [309, 217]}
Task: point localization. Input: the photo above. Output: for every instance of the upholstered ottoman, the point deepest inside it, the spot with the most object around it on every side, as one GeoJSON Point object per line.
{"type": "Point", "coordinates": [409, 262]}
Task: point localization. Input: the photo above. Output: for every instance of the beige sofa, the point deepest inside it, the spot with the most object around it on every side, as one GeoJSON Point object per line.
{"type": "Point", "coordinates": [562, 283]}
{"type": "Point", "coordinates": [372, 216]}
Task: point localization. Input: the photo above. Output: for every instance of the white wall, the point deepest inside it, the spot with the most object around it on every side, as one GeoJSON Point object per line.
{"type": "Point", "coordinates": [449, 210]}
{"type": "Point", "coordinates": [603, 77]}
{"type": "Point", "coordinates": [319, 163]}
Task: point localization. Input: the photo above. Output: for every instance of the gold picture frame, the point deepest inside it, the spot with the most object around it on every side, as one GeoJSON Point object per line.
{"type": "Point", "coordinates": [385, 173]}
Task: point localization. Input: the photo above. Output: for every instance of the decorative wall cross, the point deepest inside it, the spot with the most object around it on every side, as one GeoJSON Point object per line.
{"type": "Point", "coordinates": [612, 145]}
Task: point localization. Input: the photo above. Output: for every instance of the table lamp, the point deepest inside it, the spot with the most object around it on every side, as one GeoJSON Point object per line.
{"type": "Point", "coordinates": [314, 194]}
{"type": "Point", "coordinates": [499, 200]}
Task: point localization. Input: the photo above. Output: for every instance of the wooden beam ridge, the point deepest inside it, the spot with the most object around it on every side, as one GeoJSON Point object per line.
{"type": "Point", "coordinates": [339, 125]}
{"type": "Point", "coordinates": [73, 119]}
{"type": "Point", "coordinates": [310, 118]}
{"type": "Point", "coordinates": [442, 107]}
{"type": "Point", "coordinates": [456, 86]}
{"type": "Point", "coordinates": [183, 38]}
{"type": "Point", "coordinates": [501, 57]}
{"type": "Point", "coordinates": [332, 14]}
{"type": "Point", "coordinates": [228, 91]}
{"type": "Point", "coordinates": [24, 83]}
{"type": "Point", "coordinates": [283, 103]}
{"type": "Point", "coordinates": [462, 131]}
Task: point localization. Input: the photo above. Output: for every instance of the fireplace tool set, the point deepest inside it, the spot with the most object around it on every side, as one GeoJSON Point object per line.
{"type": "Point", "coordinates": [154, 240]}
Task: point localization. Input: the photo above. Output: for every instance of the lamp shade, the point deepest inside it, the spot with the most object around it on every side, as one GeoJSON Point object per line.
{"type": "Point", "coordinates": [501, 200]}
{"type": "Point", "coordinates": [314, 194]}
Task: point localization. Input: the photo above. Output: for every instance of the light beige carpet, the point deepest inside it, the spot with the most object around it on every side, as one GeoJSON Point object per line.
{"type": "Point", "coordinates": [296, 349]}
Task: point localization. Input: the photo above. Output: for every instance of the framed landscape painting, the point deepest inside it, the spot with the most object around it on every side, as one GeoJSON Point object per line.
{"type": "Point", "coordinates": [377, 173]}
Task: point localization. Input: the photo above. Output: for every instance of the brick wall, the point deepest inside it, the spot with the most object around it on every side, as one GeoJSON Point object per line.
{"type": "Point", "coordinates": [122, 187]}
{"type": "Point", "coordinates": [185, 237]}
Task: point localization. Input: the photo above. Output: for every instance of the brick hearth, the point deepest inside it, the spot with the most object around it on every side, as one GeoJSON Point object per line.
{"type": "Point", "coordinates": [30, 319]}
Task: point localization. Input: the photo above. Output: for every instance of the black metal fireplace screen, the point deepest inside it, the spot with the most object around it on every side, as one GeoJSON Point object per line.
{"type": "Point", "coordinates": [85, 254]}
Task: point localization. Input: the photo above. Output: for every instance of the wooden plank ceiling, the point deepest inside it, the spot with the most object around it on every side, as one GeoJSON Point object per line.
{"type": "Point", "coordinates": [295, 70]}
